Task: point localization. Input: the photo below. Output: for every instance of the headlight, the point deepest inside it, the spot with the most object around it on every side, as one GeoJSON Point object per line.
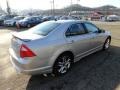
{"type": "Point", "coordinates": [4, 22]}
{"type": "Point", "coordinates": [24, 23]}
{"type": "Point", "coordinates": [12, 23]}
{"type": "Point", "coordinates": [17, 22]}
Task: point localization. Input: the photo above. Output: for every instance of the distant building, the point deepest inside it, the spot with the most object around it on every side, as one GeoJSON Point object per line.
{"type": "Point", "coordinates": [96, 16]}
{"type": "Point", "coordinates": [82, 14]}
{"type": "Point", "coordinates": [95, 13]}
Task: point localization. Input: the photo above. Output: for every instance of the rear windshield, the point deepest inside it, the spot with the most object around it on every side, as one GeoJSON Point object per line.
{"type": "Point", "coordinates": [44, 28]}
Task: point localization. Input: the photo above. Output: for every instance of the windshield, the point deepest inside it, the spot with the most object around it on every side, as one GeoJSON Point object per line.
{"type": "Point", "coordinates": [17, 18]}
{"type": "Point", "coordinates": [44, 28]}
{"type": "Point", "coordinates": [2, 17]}
{"type": "Point", "coordinates": [27, 18]}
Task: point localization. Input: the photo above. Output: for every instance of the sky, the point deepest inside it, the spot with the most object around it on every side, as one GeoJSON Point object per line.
{"type": "Point", "coordinates": [45, 4]}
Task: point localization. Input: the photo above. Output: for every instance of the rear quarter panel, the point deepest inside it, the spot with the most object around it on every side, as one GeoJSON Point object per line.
{"type": "Point", "coordinates": [48, 48]}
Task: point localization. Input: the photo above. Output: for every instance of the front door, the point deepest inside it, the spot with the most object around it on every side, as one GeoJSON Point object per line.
{"type": "Point", "coordinates": [96, 37]}
{"type": "Point", "coordinates": [78, 39]}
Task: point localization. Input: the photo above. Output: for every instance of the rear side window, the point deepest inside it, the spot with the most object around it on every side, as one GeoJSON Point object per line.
{"type": "Point", "coordinates": [75, 29]}
{"type": "Point", "coordinates": [37, 19]}
{"type": "Point", "coordinates": [44, 28]}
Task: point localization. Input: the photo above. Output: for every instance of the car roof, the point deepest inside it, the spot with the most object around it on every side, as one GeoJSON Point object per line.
{"type": "Point", "coordinates": [70, 21]}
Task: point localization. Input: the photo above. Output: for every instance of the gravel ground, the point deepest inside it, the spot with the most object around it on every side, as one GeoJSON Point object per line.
{"type": "Point", "coordinates": [99, 71]}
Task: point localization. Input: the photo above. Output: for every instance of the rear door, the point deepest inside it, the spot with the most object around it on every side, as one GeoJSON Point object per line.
{"type": "Point", "coordinates": [33, 21]}
{"type": "Point", "coordinates": [78, 39]}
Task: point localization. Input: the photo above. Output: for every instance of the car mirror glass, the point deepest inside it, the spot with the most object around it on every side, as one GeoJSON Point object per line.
{"type": "Point", "coordinates": [99, 31]}
{"type": "Point", "coordinates": [68, 34]}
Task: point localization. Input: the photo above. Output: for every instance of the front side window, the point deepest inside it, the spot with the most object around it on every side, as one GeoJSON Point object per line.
{"type": "Point", "coordinates": [75, 29]}
{"type": "Point", "coordinates": [18, 18]}
{"type": "Point", "coordinates": [37, 19]}
{"type": "Point", "coordinates": [32, 19]}
{"type": "Point", "coordinates": [91, 28]}
{"type": "Point", "coordinates": [27, 18]}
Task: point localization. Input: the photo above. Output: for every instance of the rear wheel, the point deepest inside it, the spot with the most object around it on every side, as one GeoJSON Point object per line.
{"type": "Point", "coordinates": [14, 23]}
{"type": "Point", "coordinates": [28, 25]}
{"type": "Point", "coordinates": [107, 43]}
{"type": "Point", "coordinates": [62, 64]}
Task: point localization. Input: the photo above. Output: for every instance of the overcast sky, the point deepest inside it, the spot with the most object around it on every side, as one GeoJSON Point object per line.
{"type": "Point", "coordinates": [45, 4]}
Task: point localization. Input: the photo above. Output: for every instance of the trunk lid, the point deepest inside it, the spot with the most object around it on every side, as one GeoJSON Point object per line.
{"type": "Point", "coordinates": [22, 38]}
{"type": "Point", "coordinates": [27, 36]}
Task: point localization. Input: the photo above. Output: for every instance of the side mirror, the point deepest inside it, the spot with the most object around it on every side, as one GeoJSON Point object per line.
{"type": "Point", "coordinates": [99, 31]}
{"type": "Point", "coordinates": [68, 34]}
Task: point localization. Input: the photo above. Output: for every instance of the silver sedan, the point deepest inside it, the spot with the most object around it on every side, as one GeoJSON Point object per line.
{"type": "Point", "coordinates": [53, 46]}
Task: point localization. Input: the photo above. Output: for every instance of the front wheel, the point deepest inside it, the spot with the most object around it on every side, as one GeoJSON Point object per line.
{"type": "Point", "coordinates": [14, 23]}
{"type": "Point", "coordinates": [62, 65]}
{"type": "Point", "coordinates": [28, 25]}
{"type": "Point", "coordinates": [107, 44]}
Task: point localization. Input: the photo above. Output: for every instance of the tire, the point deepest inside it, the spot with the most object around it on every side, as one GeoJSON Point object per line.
{"type": "Point", "coordinates": [107, 43]}
{"type": "Point", "coordinates": [18, 26]}
{"type": "Point", "coordinates": [62, 65]}
{"type": "Point", "coordinates": [14, 23]}
{"type": "Point", "coordinates": [28, 25]}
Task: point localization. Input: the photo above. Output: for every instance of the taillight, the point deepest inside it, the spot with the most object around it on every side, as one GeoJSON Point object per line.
{"type": "Point", "coordinates": [26, 52]}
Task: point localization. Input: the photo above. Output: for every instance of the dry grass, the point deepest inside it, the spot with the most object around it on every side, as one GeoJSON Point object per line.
{"type": "Point", "coordinates": [114, 28]}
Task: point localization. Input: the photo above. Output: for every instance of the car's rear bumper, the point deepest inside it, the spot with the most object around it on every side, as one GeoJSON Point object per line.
{"type": "Point", "coordinates": [21, 25]}
{"type": "Point", "coordinates": [20, 69]}
{"type": "Point", "coordinates": [8, 24]}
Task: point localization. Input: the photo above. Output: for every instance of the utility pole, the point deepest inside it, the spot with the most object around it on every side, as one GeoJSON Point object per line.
{"type": "Point", "coordinates": [52, 2]}
{"type": "Point", "coordinates": [77, 4]}
{"type": "Point", "coordinates": [53, 7]}
{"type": "Point", "coordinates": [71, 8]}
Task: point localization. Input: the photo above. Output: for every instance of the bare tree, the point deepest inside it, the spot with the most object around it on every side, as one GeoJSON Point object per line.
{"type": "Point", "coordinates": [8, 9]}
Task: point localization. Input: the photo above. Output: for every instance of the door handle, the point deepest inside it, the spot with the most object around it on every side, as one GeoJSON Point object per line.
{"type": "Point", "coordinates": [72, 41]}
